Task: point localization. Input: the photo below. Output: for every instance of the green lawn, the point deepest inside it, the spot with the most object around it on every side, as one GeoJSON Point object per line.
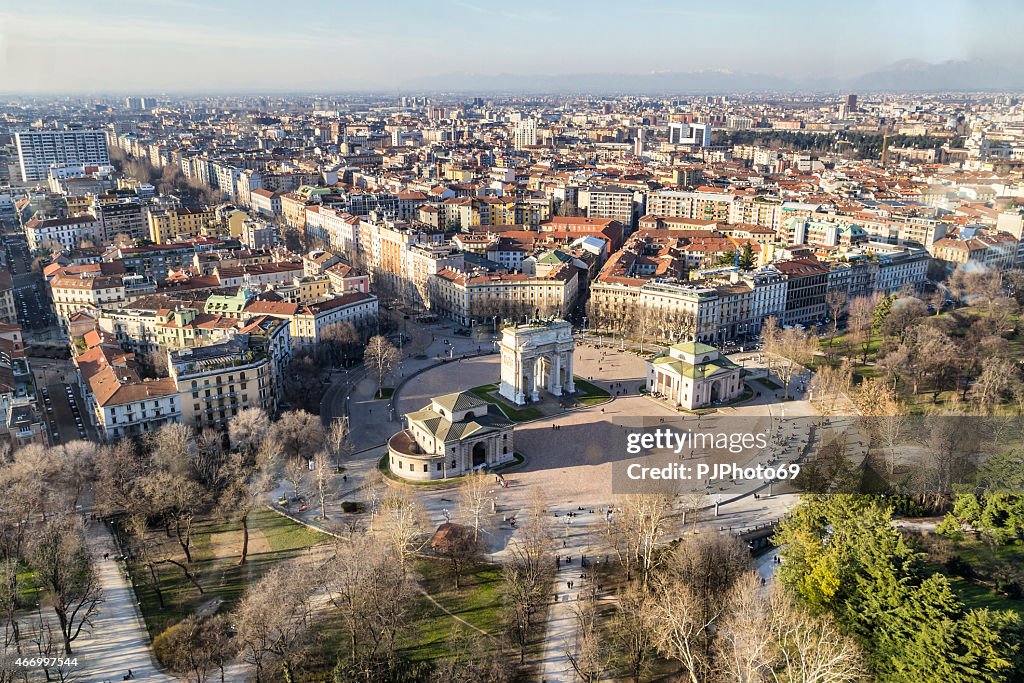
{"type": "Point", "coordinates": [215, 555]}
{"type": "Point", "coordinates": [979, 593]}
{"type": "Point", "coordinates": [515, 414]}
{"type": "Point", "coordinates": [978, 596]}
{"type": "Point", "coordinates": [589, 394]}
{"type": "Point", "coordinates": [769, 384]}
{"type": "Point", "coordinates": [478, 602]}
{"type": "Point", "coordinates": [28, 588]}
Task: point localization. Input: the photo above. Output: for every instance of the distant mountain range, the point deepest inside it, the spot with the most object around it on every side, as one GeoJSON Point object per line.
{"type": "Point", "coordinates": [905, 76]}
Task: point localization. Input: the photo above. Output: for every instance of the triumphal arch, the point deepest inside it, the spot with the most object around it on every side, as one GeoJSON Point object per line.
{"type": "Point", "coordinates": [536, 356]}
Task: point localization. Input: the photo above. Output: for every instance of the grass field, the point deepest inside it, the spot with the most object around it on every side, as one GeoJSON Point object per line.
{"type": "Point", "coordinates": [486, 392]}
{"type": "Point", "coordinates": [215, 553]}
{"type": "Point", "coordinates": [769, 384]}
{"type": "Point", "coordinates": [589, 394]}
{"type": "Point", "coordinates": [478, 602]}
{"type": "Point", "coordinates": [986, 560]}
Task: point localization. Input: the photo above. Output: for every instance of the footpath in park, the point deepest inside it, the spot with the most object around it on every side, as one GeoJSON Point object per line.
{"type": "Point", "coordinates": [118, 641]}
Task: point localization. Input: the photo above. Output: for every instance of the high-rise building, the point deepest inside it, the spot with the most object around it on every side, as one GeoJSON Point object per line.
{"type": "Point", "coordinates": [38, 149]}
{"type": "Point", "coordinates": [698, 134]}
{"type": "Point", "coordinates": [851, 103]}
{"type": "Point", "coordinates": [139, 103]}
{"type": "Point", "coordinates": [526, 133]}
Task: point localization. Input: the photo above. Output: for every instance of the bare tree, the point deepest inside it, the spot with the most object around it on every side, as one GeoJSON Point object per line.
{"type": "Point", "coordinates": [791, 349]}
{"type": "Point", "coordinates": [745, 647]}
{"type": "Point", "coordinates": [884, 415]}
{"type": "Point", "coordinates": [194, 647]}
{"type": "Point", "coordinates": [339, 342]}
{"type": "Point", "coordinates": [247, 430]}
{"type": "Point", "coordinates": [830, 385]}
{"type": "Point", "coordinates": [836, 301]}
{"type": "Point", "coordinates": [78, 460]}
{"type": "Point", "coordinates": [118, 469]}
{"type": "Point", "coordinates": [812, 648]}
{"type": "Point", "coordinates": [631, 635]}
{"type": "Point", "coordinates": [60, 556]}
{"type": "Point", "coordinates": [48, 646]}
{"type": "Point", "coordinates": [208, 465]}
{"type": "Point", "coordinates": [587, 655]}
{"type": "Point", "coordinates": [694, 584]}
{"type": "Point", "coordinates": [455, 544]}
{"type": "Point", "coordinates": [474, 498]}
{"type": "Point", "coordinates": [176, 499]}
{"type": "Point", "coordinates": [372, 593]}
{"type": "Point", "coordinates": [400, 521]}
{"type": "Point", "coordinates": [323, 474]}
{"type": "Point", "coordinates": [246, 483]}
{"type": "Point", "coordinates": [998, 378]}
{"type": "Point", "coordinates": [171, 448]}
{"type": "Point", "coordinates": [859, 323]}
{"type": "Point", "coordinates": [636, 528]}
{"type": "Point", "coordinates": [273, 620]}
{"type": "Point", "coordinates": [528, 573]}
{"type": "Point", "coordinates": [298, 434]}
{"type": "Point", "coordinates": [380, 357]}
{"type": "Point", "coordinates": [338, 440]}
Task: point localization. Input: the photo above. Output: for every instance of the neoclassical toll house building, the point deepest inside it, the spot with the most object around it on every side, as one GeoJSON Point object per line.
{"type": "Point", "coordinates": [536, 357]}
{"type": "Point", "coordinates": [693, 375]}
{"type": "Point", "coordinates": [452, 436]}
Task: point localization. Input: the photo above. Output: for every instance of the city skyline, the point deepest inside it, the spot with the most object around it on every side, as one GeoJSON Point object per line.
{"type": "Point", "coordinates": [185, 47]}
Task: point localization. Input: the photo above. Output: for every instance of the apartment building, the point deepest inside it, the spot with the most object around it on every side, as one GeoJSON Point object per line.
{"type": "Point", "coordinates": [120, 402]}
{"type": "Point", "coordinates": [806, 286]}
{"type": "Point", "coordinates": [731, 305]}
{"type": "Point", "coordinates": [385, 246]}
{"type": "Point", "coordinates": [995, 250]}
{"type": "Point", "coordinates": [266, 203]}
{"type": "Point", "coordinates": [462, 213]}
{"type": "Point", "coordinates": [423, 262]}
{"type": "Point", "coordinates": [153, 261]}
{"type": "Point", "coordinates": [467, 297]}
{"type": "Point", "coordinates": [216, 381]}
{"type": "Point", "coordinates": [121, 218]}
{"type": "Point", "coordinates": [617, 203]}
{"type": "Point", "coordinates": [309, 320]}
{"type": "Point", "coordinates": [38, 149]}
{"type": "Point", "coordinates": [165, 226]}
{"type": "Point", "coordinates": [756, 210]}
{"type": "Point", "coordinates": [8, 313]}
{"type": "Point", "coordinates": [62, 234]}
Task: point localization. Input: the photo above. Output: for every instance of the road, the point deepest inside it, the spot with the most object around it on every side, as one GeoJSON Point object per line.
{"type": "Point", "coordinates": [65, 413]}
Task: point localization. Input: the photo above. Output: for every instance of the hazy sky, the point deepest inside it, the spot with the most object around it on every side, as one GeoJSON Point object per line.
{"type": "Point", "coordinates": [157, 46]}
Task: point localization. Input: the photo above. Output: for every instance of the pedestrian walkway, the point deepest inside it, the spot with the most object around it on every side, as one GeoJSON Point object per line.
{"type": "Point", "coordinates": [574, 540]}
{"type": "Point", "coordinates": [117, 641]}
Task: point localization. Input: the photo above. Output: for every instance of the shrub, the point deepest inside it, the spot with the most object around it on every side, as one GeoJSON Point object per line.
{"type": "Point", "coordinates": [957, 566]}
